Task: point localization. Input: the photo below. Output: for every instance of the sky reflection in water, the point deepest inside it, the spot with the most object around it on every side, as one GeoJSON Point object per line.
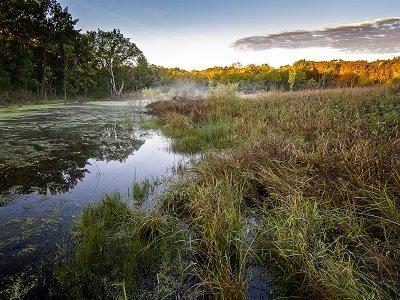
{"type": "Point", "coordinates": [54, 162]}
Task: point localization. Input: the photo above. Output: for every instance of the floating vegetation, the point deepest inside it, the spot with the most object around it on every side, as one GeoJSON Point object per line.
{"type": "Point", "coordinates": [45, 151]}
{"type": "Point", "coordinates": [15, 111]}
{"type": "Point", "coordinates": [21, 288]}
{"type": "Point", "coordinates": [23, 239]}
{"type": "Point", "coordinates": [49, 154]}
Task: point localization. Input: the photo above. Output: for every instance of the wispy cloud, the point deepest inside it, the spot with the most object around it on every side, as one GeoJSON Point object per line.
{"type": "Point", "coordinates": [158, 12]}
{"type": "Point", "coordinates": [379, 36]}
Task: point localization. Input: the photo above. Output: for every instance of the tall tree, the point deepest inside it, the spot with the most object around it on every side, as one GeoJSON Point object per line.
{"type": "Point", "coordinates": [112, 50]}
{"type": "Point", "coordinates": [35, 31]}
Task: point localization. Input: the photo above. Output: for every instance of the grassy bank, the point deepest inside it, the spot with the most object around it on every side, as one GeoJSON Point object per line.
{"type": "Point", "coordinates": [305, 184]}
{"type": "Point", "coordinates": [321, 168]}
{"type": "Point", "coordinates": [122, 253]}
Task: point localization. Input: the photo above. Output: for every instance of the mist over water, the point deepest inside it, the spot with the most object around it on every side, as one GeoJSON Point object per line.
{"type": "Point", "coordinates": [184, 90]}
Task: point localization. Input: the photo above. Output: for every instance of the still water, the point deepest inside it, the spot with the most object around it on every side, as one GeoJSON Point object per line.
{"type": "Point", "coordinates": [54, 161]}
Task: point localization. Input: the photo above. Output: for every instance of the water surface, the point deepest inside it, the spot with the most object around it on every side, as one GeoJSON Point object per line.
{"type": "Point", "coordinates": [54, 161]}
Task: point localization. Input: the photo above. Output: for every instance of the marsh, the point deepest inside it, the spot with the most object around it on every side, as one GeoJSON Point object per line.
{"type": "Point", "coordinates": [55, 160]}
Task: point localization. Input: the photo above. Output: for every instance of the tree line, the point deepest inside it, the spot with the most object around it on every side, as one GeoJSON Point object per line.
{"type": "Point", "coordinates": [43, 55]}
{"type": "Point", "coordinates": [301, 75]}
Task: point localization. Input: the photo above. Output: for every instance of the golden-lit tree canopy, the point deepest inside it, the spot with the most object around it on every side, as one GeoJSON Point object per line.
{"type": "Point", "coordinates": [301, 75]}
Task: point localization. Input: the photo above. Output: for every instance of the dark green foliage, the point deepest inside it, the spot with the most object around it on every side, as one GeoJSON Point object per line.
{"type": "Point", "coordinates": [43, 55]}
{"type": "Point", "coordinates": [112, 51]}
{"type": "Point", "coordinates": [33, 34]}
{"type": "Point", "coordinates": [121, 253]}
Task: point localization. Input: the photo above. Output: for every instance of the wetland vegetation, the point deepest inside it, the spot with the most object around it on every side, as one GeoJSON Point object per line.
{"type": "Point", "coordinates": [304, 185]}
{"type": "Point", "coordinates": [73, 134]}
{"type": "Point", "coordinates": [54, 161]}
{"type": "Point", "coordinates": [230, 182]}
{"type": "Point", "coordinates": [319, 170]}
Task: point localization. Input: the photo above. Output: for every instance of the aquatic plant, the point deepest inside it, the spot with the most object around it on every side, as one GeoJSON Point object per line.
{"type": "Point", "coordinates": [317, 171]}
{"type": "Point", "coordinates": [142, 190]}
{"type": "Point", "coordinates": [321, 171]}
{"type": "Point", "coordinates": [59, 146]}
{"type": "Point", "coordinates": [123, 253]}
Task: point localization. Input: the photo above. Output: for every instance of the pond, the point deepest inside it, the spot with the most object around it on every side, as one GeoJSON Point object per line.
{"type": "Point", "coordinates": [54, 161]}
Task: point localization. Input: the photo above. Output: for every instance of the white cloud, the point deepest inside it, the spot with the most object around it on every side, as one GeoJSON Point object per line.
{"type": "Point", "coordinates": [379, 36]}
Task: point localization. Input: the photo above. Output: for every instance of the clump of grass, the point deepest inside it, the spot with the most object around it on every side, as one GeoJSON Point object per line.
{"type": "Point", "coordinates": [303, 236]}
{"type": "Point", "coordinates": [322, 169]}
{"type": "Point", "coordinates": [194, 109]}
{"type": "Point", "coordinates": [142, 190]}
{"type": "Point", "coordinates": [209, 133]}
{"type": "Point", "coordinates": [152, 123]}
{"type": "Point", "coordinates": [214, 215]}
{"type": "Point", "coordinates": [177, 120]}
{"type": "Point", "coordinates": [191, 131]}
{"type": "Point", "coordinates": [128, 121]}
{"type": "Point", "coordinates": [212, 133]}
{"type": "Point", "coordinates": [121, 252]}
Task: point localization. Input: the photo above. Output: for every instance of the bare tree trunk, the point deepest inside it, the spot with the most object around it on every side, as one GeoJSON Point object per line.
{"type": "Point", "coordinates": [42, 86]}
{"type": "Point", "coordinates": [65, 81]}
{"type": "Point", "coordinates": [120, 90]}
{"type": "Point", "coordinates": [115, 93]}
{"type": "Point", "coordinates": [114, 89]}
{"type": "Point", "coordinates": [113, 86]}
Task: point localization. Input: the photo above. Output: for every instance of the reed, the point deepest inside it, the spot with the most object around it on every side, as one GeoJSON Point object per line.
{"type": "Point", "coordinates": [319, 171]}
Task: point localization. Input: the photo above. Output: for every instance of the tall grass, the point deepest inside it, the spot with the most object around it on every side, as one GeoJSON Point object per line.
{"type": "Point", "coordinates": [142, 190]}
{"type": "Point", "coordinates": [123, 253]}
{"type": "Point", "coordinates": [213, 212]}
{"type": "Point", "coordinates": [319, 171]}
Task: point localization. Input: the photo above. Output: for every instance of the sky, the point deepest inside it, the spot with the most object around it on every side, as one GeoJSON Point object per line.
{"type": "Point", "coordinates": [204, 33]}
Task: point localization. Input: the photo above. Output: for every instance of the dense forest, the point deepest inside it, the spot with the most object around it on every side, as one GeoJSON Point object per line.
{"type": "Point", "coordinates": [43, 55]}
{"type": "Point", "coordinates": [301, 75]}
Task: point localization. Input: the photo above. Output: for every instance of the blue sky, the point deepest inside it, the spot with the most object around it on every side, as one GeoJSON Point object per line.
{"type": "Point", "coordinates": [200, 34]}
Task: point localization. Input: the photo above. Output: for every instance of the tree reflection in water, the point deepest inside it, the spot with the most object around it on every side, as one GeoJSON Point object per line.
{"type": "Point", "coordinates": [49, 152]}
